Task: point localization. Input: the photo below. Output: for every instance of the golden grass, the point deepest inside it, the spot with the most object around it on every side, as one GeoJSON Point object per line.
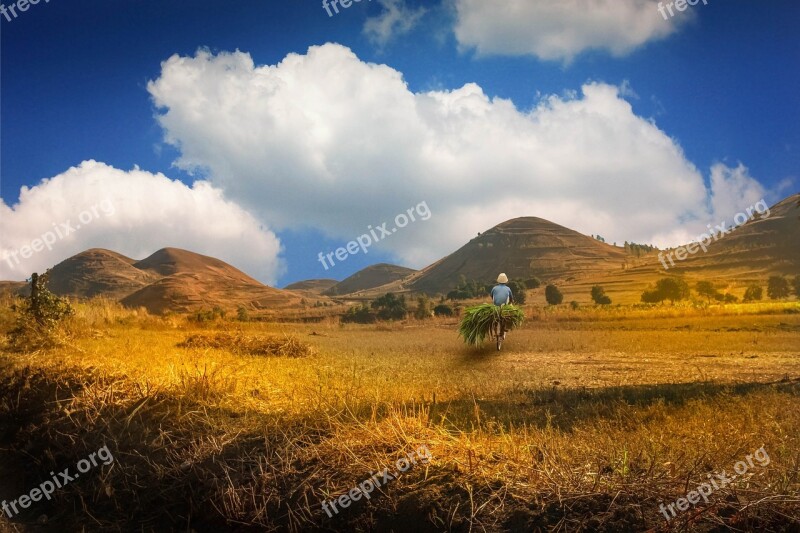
{"type": "Point", "coordinates": [587, 420]}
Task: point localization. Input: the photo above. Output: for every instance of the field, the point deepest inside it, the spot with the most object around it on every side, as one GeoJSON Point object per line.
{"type": "Point", "coordinates": [589, 420]}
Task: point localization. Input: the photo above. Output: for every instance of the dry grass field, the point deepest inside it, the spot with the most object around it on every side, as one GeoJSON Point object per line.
{"type": "Point", "coordinates": [588, 420]}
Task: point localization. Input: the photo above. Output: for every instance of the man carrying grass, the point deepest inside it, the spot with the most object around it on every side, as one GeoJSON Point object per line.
{"type": "Point", "coordinates": [502, 295]}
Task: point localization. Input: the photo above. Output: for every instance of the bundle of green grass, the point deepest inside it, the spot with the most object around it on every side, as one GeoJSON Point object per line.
{"type": "Point", "coordinates": [479, 321]}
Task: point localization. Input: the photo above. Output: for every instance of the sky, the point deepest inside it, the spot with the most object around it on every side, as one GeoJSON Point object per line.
{"type": "Point", "coordinates": [273, 134]}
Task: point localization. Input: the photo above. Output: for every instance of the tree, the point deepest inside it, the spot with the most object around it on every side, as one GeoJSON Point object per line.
{"type": "Point", "coordinates": [796, 285]}
{"type": "Point", "coordinates": [599, 296]}
{"type": "Point", "coordinates": [777, 287]}
{"type": "Point", "coordinates": [423, 309]}
{"type": "Point", "coordinates": [707, 289]}
{"type": "Point", "coordinates": [390, 307]}
{"type": "Point", "coordinates": [672, 289]}
{"type": "Point", "coordinates": [753, 293]}
{"type": "Point", "coordinates": [553, 295]}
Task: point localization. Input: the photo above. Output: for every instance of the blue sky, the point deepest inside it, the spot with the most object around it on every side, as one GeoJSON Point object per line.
{"type": "Point", "coordinates": [718, 81]}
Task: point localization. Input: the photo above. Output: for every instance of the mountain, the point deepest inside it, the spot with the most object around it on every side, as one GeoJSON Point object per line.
{"type": "Point", "coordinates": [369, 278]}
{"type": "Point", "coordinates": [171, 279]}
{"type": "Point", "coordinates": [767, 244]}
{"type": "Point", "coordinates": [530, 246]}
{"type": "Point", "coordinates": [192, 281]}
{"type": "Point", "coordinates": [98, 272]}
{"type": "Point", "coordinates": [313, 286]}
{"type": "Point", "coordinates": [522, 248]}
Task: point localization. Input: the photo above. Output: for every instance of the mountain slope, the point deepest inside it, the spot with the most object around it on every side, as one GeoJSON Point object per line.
{"type": "Point", "coordinates": [369, 278]}
{"type": "Point", "coordinates": [97, 272]}
{"type": "Point", "coordinates": [522, 248]}
{"type": "Point", "coordinates": [313, 286]}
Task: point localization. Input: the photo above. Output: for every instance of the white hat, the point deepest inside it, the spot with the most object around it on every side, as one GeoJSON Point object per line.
{"type": "Point", "coordinates": [502, 278]}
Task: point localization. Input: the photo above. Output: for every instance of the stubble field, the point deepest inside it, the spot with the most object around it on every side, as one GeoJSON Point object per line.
{"type": "Point", "coordinates": [588, 419]}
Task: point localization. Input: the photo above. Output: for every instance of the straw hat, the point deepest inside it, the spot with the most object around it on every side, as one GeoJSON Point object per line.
{"type": "Point", "coordinates": [502, 278]}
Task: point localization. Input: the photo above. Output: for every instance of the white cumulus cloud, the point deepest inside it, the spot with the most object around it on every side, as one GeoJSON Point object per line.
{"type": "Point", "coordinates": [134, 213]}
{"type": "Point", "coordinates": [560, 29]}
{"type": "Point", "coordinates": [327, 141]}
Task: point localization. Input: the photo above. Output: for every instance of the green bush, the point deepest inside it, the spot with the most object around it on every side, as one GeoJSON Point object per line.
{"type": "Point", "coordinates": [599, 296]}
{"type": "Point", "coordinates": [518, 290]}
{"type": "Point", "coordinates": [553, 295]}
{"type": "Point", "coordinates": [38, 317]}
{"type": "Point", "coordinates": [423, 309]}
{"type": "Point", "coordinates": [443, 310]}
{"type": "Point", "coordinates": [390, 307]}
{"type": "Point", "coordinates": [359, 314]}
{"type": "Point", "coordinates": [532, 283]}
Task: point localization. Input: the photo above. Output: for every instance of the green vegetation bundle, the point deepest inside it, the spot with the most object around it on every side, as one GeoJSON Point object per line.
{"type": "Point", "coordinates": [480, 320]}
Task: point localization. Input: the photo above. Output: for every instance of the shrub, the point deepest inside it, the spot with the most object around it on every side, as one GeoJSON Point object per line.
{"type": "Point", "coordinates": [553, 295]}
{"type": "Point", "coordinates": [574, 305]}
{"type": "Point", "coordinates": [242, 315]}
{"type": "Point", "coordinates": [390, 307]}
{"type": "Point", "coordinates": [423, 310]}
{"type": "Point", "coordinates": [359, 314]}
{"type": "Point", "coordinates": [796, 285]}
{"type": "Point", "coordinates": [443, 310]}
{"type": "Point", "coordinates": [599, 296]}
{"type": "Point", "coordinates": [38, 317]}
{"type": "Point", "coordinates": [204, 315]}
{"type": "Point", "coordinates": [518, 290]}
{"type": "Point", "coordinates": [532, 283]}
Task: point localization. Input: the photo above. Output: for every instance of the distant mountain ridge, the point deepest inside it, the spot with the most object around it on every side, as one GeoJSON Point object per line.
{"type": "Point", "coordinates": [170, 279]}
{"type": "Point", "coordinates": [369, 278]}
{"type": "Point", "coordinates": [179, 280]}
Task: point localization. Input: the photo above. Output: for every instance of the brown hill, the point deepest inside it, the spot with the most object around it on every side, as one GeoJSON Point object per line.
{"type": "Point", "coordinates": [98, 272]}
{"type": "Point", "coordinates": [193, 281]}
{"type": "Point", "coordinates": [768, 244]}
{"type": "Point", "coordinates": [314, 286]}
{"type": "Point", "coordinates": [169, 280]}
{"type": "Point", "coordinates": [762, 247]}
{"type": "Point", "coordinates": [369, 278]}
{"type": "Point", "coordinates": [522, 248]}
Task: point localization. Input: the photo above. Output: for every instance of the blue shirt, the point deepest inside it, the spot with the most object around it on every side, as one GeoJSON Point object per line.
{"type": "Point", "coordinates": [501, 294]}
